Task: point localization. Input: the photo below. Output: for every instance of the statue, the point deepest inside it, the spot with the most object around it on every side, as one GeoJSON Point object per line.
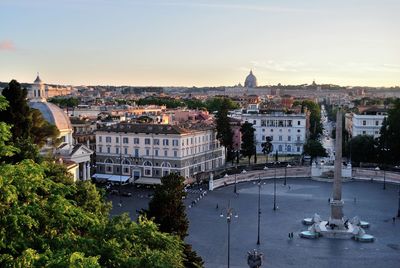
{"type": "Point", "coordinates": [254, 259]}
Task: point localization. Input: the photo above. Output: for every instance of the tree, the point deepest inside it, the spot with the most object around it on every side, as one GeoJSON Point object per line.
{"type": "Point", "coordinates": [389, 136]}
{"type": "Point", "coordinates": [18, 112]}
{"type": "Point", "coordinates": [248, 147]}
{"type": "Point", "coordinates": [168, 210]}
{"type": "Point", "coordinates": [224, 130]}
{"type": "Point", "coordinates": [314, 149]}
{"type": "Point", "coordinates": [363, 149]}
{"type": "Point", "coordinates": [6, 149]}
{"type": "Point", "coordinates": [29, 129]}
{"type": "Point", "coordinates": [267, 147]}
{"type": "Point", "coordinates": [46, 221]}
{"type": "Point", "coordinates": [315, 118]}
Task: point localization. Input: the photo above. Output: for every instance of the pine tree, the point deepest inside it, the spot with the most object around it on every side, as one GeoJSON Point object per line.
{"type": "Point", "coordinates": [168, 210]}
{"type": "Point", "coordinates": [267, 147]}
{"type": "Point", "coordinates": [248, 147]}
{"type": "Point", "coordinates": [224, 130]}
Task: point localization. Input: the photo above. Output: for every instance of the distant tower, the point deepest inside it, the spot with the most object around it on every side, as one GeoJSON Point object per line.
{"type": "Point", "coordinates": [251, 80]}
{"type": "Point", "coordinates": [37, 91]}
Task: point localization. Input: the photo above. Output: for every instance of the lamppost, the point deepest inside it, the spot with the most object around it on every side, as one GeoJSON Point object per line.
{"type": "Point", "coordinates": [398, 208]}
{"type": "Point", "coordinates": [275, 207]}
{"type": "Point", "coordinates": [384, 150]}
{"type": "Point", "coordinates": [288, 166]}
{"type": "Point", "coordinates": [259, 184]}
{"type": "Point", "coordinates": [229, 215]}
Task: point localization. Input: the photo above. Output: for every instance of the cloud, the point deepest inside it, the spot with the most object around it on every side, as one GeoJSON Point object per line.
{"type": "Point", "coordinates": [7, 45]}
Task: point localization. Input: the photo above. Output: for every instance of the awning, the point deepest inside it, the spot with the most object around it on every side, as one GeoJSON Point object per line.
{"type": "Point", "coordinates": [110, 177]}
{"type": "Point", "coordinates": [144, 180]}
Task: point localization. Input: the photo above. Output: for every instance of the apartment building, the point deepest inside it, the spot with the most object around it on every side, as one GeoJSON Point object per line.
{"type": "Point", "coordinates": [145, 152]}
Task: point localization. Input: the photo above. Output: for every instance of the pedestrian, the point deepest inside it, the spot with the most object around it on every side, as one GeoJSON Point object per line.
{"type": "Point", "coordinates": [216, 207]}
{"type": "Point", "coordinates": [329, 200]}
{"type": "Point", "coordinates": [289, 235]}
{"type": "Point", "coordinates": [394, 219]}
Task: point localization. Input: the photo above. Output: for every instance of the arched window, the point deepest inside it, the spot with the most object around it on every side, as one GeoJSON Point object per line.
{"type": "Point", "coordinates": [166, 165]}
{"type": "Point", "coordinates": [147, 163]}
{"type": "Point", "coordinates": [280, 148]}
{"type": "Point", "coordinates": [289, 148]}
{"type": "Point", "coordinates": [108, 161]}
{"type": "Point", "coordinates": [126, 162]}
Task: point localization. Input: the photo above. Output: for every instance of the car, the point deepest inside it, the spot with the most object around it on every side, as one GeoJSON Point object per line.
{"type": "Point", "coordinates": [127, 194]}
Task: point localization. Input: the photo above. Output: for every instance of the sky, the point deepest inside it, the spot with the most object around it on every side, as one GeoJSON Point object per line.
{"type": "Point", "coordinates": [200, 42]}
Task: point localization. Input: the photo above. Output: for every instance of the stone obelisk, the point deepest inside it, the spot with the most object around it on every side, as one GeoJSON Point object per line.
{"type": "Point", "coordinates": [336, 201]}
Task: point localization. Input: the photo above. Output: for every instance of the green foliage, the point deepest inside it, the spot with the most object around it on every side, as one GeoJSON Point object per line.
{"type": "Point", "coordinates": [29, 129]}
{"type": "Point", "coordinates": [168, 102]}
{"type": "Point", "coordinates": [314, 149]}
{"type": "Point", "coordinates": [315, 118]}
{"type": "Point", "coordinates": [168, 210]}
{"type": "Point", "coordinates": [267, 147]}
{"type": "Point", "coordinates": [6, 150]}
{"type": "Point", "coordinates": [65, 102]}
{"type": "Point", "coordinates": [363, 149]}
{"type": "Point", "coordinates": [390, 136]}
{"type": "Point", "coordinates": [248, 146]}
{"type": "Point", "coordinates": [47, 221]}
{"type": "Point", "coordinates": [216, 103]}
{"type": "Point", "coordinates": [224, 130]}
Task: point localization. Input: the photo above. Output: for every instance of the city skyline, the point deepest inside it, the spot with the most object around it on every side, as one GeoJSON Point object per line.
{"type": "Point", "coordinates": [200, 43]}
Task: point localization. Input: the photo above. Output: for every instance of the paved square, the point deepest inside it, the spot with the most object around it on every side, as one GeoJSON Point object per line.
{"type": "Point", "coordinates": [208, 231]}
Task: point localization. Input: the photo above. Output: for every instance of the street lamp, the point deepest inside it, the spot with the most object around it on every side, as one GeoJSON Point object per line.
{"type": "Point", "coordinates": [229, 215]}
{"type": "Point", "coordinates": [259, 184]}
{"type": "Point", "coordinates": [398, 208]}
{"type": "Point", "coordinates": [275, 207]}
{"type": "Point", "coordinates": [383, 166]}
{"type": "Point", "coordinates": [288, 166]}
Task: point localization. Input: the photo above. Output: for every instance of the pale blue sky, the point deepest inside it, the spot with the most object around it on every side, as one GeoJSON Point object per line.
{"type": "Point", "coordinates": [200, 42]}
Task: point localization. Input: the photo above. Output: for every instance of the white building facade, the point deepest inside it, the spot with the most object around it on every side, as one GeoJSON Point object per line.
{"type": "Point", "coordinates": [288, 131]}
{"type": "Point", "coordinates": [364, 124]}
{"type": "Point", "coordinates": [145, 152]}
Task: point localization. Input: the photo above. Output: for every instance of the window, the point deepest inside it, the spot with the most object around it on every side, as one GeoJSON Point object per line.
{"type": "Point", "coordinates": [156, 152]}
{"type": "Point", "coordinates": [254, 122]}
{"type": "Point", "coordinates": [280, 138]}
{"type": "Point", "coordinates": [289, 138]}
{"type": "Point", "coordinates": [272, 130]}
{"type": "Point", "coordinates": [136, 152]}
{"type": "Point", "coordinates": [147, 152]}
{"type": "Point", "coordinates": [280, 148]}
{"type": "Point", "coordinates": [125, 150]}
{"type": "Point", "coordinates": [263, 122]}
{"type": "Point", "coordinates": [364, 132]}
{"type": "Point", "coordinates": [298, 149]}
{"type": "Point", "coordinates": [100, 149]}
{"type": "Point", "coordinates": [376, 123]}
{"type": "Point", "coordinates": [263, 130]}
{"type": "Point", "coordinates": [289, 148]}
{"type": "Point", "coordinates": [364, 123]}
{"type": "Point", "coordinates": [298, 131]}
{"type": "Point", "coordinates": [289, 123]}
{"type": "Point", "coordinates": [165, 153]}
{"type": "Point", "coordinates": [280, 123]}
{"type": "Point", "coordinates": [108, 150]}
{"type": "Point", "coordinates": [298, 138]}
{"type": "Point", "coordinates": [175, 142]}
{"type": "Point", "coordinates": [117, 139]}
{"type": "Point", "coordinates": [165, 142]}
{"type": "Point", "coordinates": [108, 139]}
{"type": "Point", "coordinates": [263, 137]}
{"type": "Point", "coordinates": [125, 140]}
{"type": "Point", "coordinates": [116, 150]}
{"type": "Point", "coordinates": [147, 172]}
{"type": "Point", "coordinates": [175, 153]}
{"type": "Point", "coordinates": [125, 170]}
{"type": "Point", "coordinates": [100, 138]}
{"type": "Point", "coordinates": [156, 142]}
{"type": "Point", "coordinates": [136, 140]}
{"type": "Point", "coordinates": [147, 141]}
{"type": "Point", "coordinates": [298, 123]}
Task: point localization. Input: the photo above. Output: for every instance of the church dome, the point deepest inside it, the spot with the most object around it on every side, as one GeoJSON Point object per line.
{"type": "Point", "coordinates": [53, 114]}
{"type": "Point", "coordinates": [251, 80]}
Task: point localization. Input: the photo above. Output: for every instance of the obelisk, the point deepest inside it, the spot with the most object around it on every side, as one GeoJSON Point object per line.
{"type": "Point", "coordinates": [336, 201]}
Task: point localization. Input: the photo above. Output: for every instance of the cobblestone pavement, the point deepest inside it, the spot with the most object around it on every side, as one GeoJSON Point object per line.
{"type": "Point", "coordinates": [299, 199]}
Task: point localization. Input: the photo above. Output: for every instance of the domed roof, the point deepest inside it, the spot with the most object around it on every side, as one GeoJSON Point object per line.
{"type": "Point", "coordinates": [251, 80]}
{"type": "Point", "coordinates": [53, 114]}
